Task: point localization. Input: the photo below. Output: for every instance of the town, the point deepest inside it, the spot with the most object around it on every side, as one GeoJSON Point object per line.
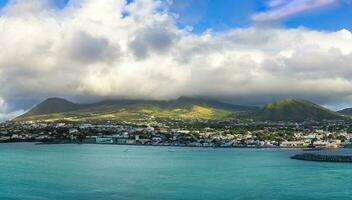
{"type": "Point", "coordinates": [326, 134]}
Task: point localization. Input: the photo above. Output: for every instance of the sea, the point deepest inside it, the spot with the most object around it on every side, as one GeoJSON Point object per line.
{"type": "Point", "coordinates": [109, 172]}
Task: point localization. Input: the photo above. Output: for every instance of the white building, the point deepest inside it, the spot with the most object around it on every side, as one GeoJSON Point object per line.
{"type": "Point", "coordinates": [104, 140]}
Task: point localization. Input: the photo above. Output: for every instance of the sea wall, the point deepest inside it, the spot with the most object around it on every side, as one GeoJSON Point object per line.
{"type": "Point", "coordinates": [322, 157]}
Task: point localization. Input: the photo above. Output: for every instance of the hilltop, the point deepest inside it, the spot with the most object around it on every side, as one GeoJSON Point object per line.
{"type": "Point", "coordinates": [53, 105]}
{"type": "Point", "coordinates": [293, 110]}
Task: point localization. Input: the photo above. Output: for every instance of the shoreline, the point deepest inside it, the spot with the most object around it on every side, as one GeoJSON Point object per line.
{"type": "Point", "coordinates": [178, 146]}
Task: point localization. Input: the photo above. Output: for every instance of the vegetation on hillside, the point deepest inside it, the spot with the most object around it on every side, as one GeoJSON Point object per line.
{"type": "Point", "coordinates": [183, 108]}
{"type": "Point", "coordinates": [135, 114]}
{"type": "Point", "coordinates": [346, 111]}
{"type": "Point", "coordinates": [293, 110]}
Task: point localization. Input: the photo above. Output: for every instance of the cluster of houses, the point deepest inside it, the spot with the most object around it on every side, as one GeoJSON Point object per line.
{"type": "Point", "coordinates": [166, 136]}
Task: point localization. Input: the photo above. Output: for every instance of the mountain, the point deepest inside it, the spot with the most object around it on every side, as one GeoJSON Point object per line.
{"type": "Point", "coordinates": [346, 111]}
{"type": "Point", "coordinates": [184, 108]}
{"type": "Point", "coordinates": [53, 105]}
{"type": "Point", "coordinates": [293, 110]}
{"type": "Point", "coordinates": [187, 101]}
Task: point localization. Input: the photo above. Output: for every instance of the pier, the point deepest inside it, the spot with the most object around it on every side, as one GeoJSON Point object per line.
{"type": "Point", "coordinates": [322, 157]}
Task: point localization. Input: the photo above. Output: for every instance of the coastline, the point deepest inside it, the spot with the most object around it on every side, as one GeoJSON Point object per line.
{"type": "Point", "coordinates": [178, 146]}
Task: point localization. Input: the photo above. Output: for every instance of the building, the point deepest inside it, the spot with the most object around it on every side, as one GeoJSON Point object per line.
{"type": "Point", "coordinates": [120, 140]}
{"type": "Point", "coordinates": [293, 144]}
{"type": "Point", "coordinates": [130, 141]}
{"type": "Point", "coordinates": [104, 140]}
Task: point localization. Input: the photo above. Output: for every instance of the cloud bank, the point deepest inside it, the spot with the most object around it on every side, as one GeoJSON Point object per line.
{"type": "Point", "coordinates": [279, 9]}
{"type": "Point", "coordinates": [6, 113]}
{"type": "Point", "coordinates": [110, 49]}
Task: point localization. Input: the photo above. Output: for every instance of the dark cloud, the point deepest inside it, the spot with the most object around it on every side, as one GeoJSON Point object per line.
{"type": "Point", "coordinates": [151, 39]}
{"type": "Point", "coordinates": [88, 49]}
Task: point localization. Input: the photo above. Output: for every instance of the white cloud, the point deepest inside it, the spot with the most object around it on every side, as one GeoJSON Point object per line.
{"type": "Point", "coordinates": [89, 49]}
{"type": "Point", "coordinates": [2, 105]}
{"type": "Point", "coordinates": [275, 3]}
{"type": "Point", "coordinates": [278, 9]}
{"type": "Point", "coordinates": [5, 113]}
{"type": "Point", "coordinates": [10, 115]}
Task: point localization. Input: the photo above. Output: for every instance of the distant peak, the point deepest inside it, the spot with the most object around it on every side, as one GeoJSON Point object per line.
{"type": "Point", "coordinates": [285, 102]}
{"type": "Point", "coordinates": [53, 105]}
{"type": "Point", "coordinates": [55, 99]}
{"type": "Point", "coordinates": [294, 110]}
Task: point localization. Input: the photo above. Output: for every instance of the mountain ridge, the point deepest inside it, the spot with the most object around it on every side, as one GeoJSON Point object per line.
{"type": "Point", "coordinates": [183, 106]}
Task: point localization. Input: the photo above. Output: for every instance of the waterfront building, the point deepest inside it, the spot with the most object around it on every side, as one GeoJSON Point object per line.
{"type": "Point", "coordinates": [130, 141]}
{"type": "Point", "coordinates": [292, 144]}
{"type": "Point", "coordinates": [104, 140]}
{"type": "Point", "coordinates": [120, 140]}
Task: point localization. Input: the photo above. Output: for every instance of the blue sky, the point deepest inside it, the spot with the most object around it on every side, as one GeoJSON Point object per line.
{"type": "Point", "coordinates": [227, 14]}
{"type": "Point", "coordinates": [57, 3]}
{"type": "Point", "coordinates": [3, 2]}
{"type": "Point", "coordinates": [222, 15]}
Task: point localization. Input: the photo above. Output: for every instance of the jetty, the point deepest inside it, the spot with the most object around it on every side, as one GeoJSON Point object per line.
{"type": "Point", "coordinates": [322, 157]}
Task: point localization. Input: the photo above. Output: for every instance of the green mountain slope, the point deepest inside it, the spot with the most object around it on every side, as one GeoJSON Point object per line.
{"type": "Point", "coordinates": [293, 110]}
{"type": "Point", "coordinates": [53, 105]}
{"type": "Point", "coordinates": [183, 108]}
{"type": "Point", "coordinates": [346, 111]}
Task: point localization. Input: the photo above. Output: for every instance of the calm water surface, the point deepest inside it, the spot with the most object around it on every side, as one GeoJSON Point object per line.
{"type": "Point", "coordinates": [87, 172]}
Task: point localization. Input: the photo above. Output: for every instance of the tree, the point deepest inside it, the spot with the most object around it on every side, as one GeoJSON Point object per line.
{"type": "Point", "coordinates": [81, 137]}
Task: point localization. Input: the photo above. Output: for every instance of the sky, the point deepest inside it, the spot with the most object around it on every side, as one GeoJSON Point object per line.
{"type": "Point", "coordinates": [243, 51]}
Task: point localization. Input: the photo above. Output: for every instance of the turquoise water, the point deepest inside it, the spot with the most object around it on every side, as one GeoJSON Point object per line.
{"type": "Point", "coordinates": [107, 172]}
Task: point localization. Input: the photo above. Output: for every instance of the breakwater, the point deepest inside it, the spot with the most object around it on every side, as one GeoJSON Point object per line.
{"type": "Point", "coordinates": [322, 157]}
